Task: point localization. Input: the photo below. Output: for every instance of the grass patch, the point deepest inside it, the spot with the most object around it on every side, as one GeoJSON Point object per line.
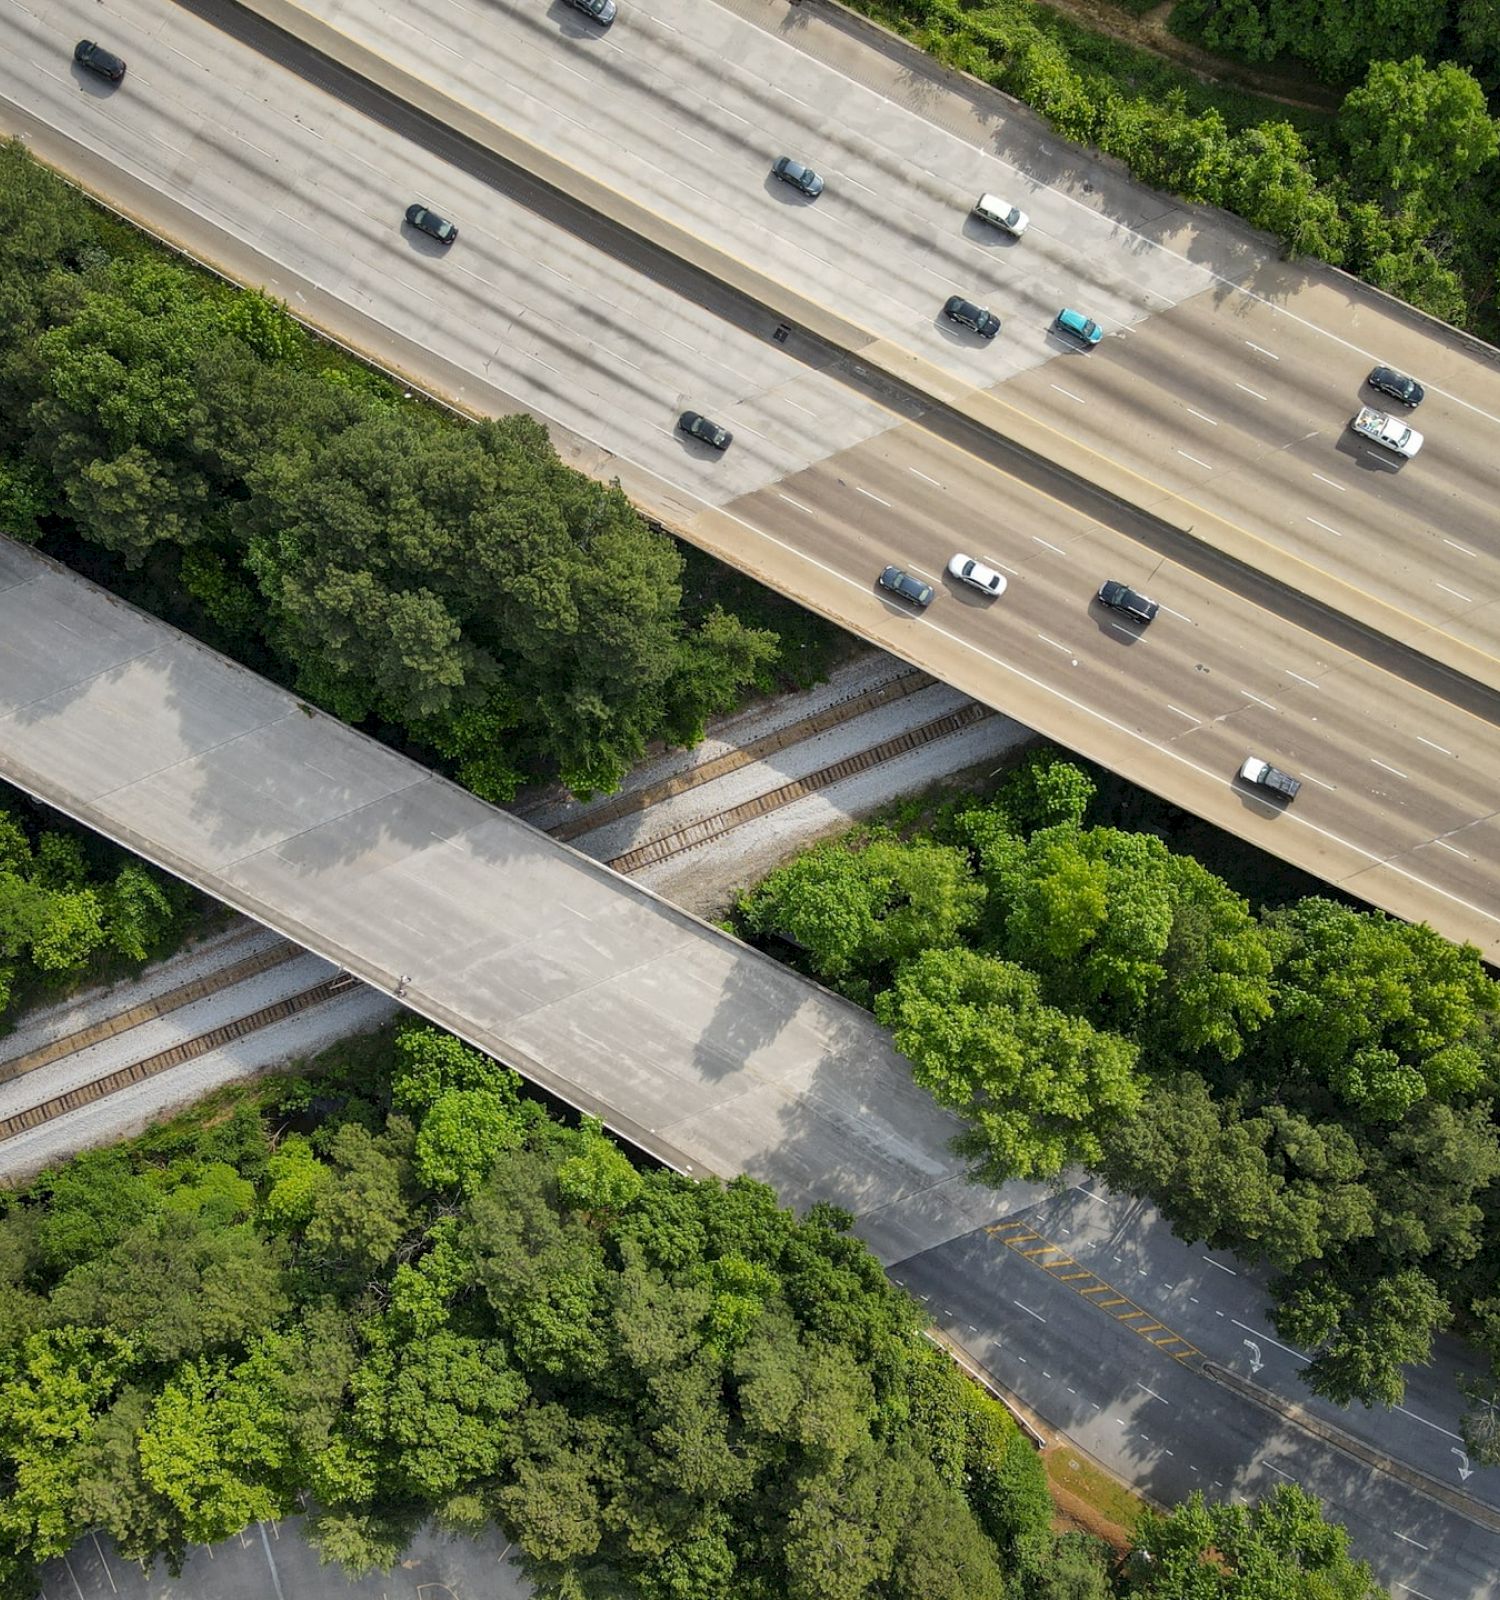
{"type": "Point", "coordinates": [1090, 1499]}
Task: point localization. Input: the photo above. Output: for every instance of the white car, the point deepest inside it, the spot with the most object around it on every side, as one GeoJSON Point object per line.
{"type": "Point", "coordinates": [1002, 214]}
{"type": "Point", "coordinates": [983, 578]}
{"type": "Point", "coordinates": [1386, 430]}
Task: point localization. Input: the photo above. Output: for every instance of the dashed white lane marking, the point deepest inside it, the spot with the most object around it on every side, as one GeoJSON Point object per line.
{"type": "Point", "coordinates": [1444, 845]}
{"type": "Point", "coordinates": [1037, 538]}
{"type": "Point", "coordinates": [791, 502]}
{"type": "Point", "coordinates": [1431, 746]}
{"type": "Point", "coordinates": [1324, 526]}
{"type": "Point", "coordinates": [1179, 615]}
{"type": "Point", "coordinates": [923, 476]}
{"type": "Point", "coordinates": [1196, 462]}
{"type": "Point", "coordinates": [1394, 770]}
{"type": "Point", "coordinates": [1417, 1592]}
{"type": "Point", "coordinates": [1196, 721]}
{"type": "Point", "coordinates": [1467, 599]}
{"type": "Point", "coordinates": [1266, 1338]}
{"type": "Point", "coordinates": [1257, 699]}
{"type": "Point", "coordinates": [1030, 1313]}
{"type": "Point", "coordinates": [1463, 549]}
{"type": "Point", "coordinates": [1220, 1265]}
{"type": "Point", "coordinates": [1261, 349]}
{"type": "Point", "coordinates": [1211, 421]}
{"type": "Point", "coordinates": [1279, 1473]}
{"type": "Point", "coordinates": [1341, 487]}
{"type": "Point", "coordinates": [1300, 679]}
{"type": "Point", "coordinates": [1193, 1298]}
{"type": "Point", "coordinates": [1256, 392]}
{"type": "Point", "coordinates": [1078, 397]}
{"type": "Point", "coordinates": [1055, 645]}
{"type": "Point", "coordinates": [1098, 1198]}
{"type": "Point", "coordinates": [1332, 788]}
{"type": "Point", "coordinates": [868, 496]}
{"type": "Point", "coordinates": [1409, 1540]}
{"type": "Point", "coordinates": [1154, 1395]}
{"type": "Point", "coordinates": [1120, 627]}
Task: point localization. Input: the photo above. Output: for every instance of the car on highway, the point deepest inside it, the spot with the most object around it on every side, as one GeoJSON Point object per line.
{"type": "Point", "coordinates": [1385, 430]}
{"type": "Point", "coordinates": [967, 570]}
{"type": "Point", "coordinates": [1131, 602]}
{"type": "Point", "coordinates": [1397, 385]}
{"type": "Point", "coordinates": [907, 587]}
{"type": "Point", "coordinates": [697, 426]}
{"type": "Point", "coordinates": [429, 222]}
{"type": "Point", "coordinates": [1078, 326]}
{"type": "Point", "coordinates": [1002, 214]}
{"type": "Point", "coordinates": [97, 59]}
{"type": "Point", "coordinates": [602, 11]}
{"type": "Point", "coordinates": [1264, 776]}
{"type": "Point", "coordinates": [800, 177]}
{"type": "Point", "coordinates": [964, 312]}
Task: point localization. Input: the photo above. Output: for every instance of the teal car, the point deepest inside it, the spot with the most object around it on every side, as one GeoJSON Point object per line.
{"type": "Point", "coordinates": [1079, 327]}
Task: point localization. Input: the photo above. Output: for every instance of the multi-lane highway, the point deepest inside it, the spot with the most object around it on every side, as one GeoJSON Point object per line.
{"type": "Point", "coordinates": [295, 173]}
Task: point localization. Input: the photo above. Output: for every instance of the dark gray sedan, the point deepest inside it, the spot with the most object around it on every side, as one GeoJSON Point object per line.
{"type": "Point", "coordinates": [907, 587]}
{"type": "Point", "coordinates": [1397, 385]}
{"type": "Point", "coordinates": [800, 177]}
{"type": "Point", "coordinates": [602, 11]}
{"type": "Point", "coordinates": [429, 222]}
{"type": "Point", "coordinates": [964, 312]}
{"type": "Point", "coordinates": [699, 427]}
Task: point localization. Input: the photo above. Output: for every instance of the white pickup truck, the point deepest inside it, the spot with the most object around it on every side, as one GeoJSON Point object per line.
{"type": "Point", "coordinates": [1385, 430]}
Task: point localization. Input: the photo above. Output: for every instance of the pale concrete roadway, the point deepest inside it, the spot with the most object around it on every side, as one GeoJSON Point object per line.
{"type": "Point", "coordinates": [832, 475]}
{"type": "Point", "coordinates": [1228, 377]}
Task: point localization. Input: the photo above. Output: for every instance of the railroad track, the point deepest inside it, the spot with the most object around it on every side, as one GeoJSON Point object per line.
{"type": "Point", "coordinates": [185, 1050]}
{"type": "Point", "coordinates": [906, 683]}
{"type": "Point", "coordinates": [706, 829]}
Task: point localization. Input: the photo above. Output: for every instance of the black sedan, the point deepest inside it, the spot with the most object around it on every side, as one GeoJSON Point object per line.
{"type": "Point", "coordinates": [964, 312]}
{"type": "Point", "coordinates": [429, 222]}
{"type": "Point", "coordinates": [97, 59]}
{"type": "Point", "coordinates": [909, 588]}
{"type": "Point", "coordinates": [800, 177]}
{"type": "Point", "coordinates": [602, 11]}
{"type": "Point", "coordinates": [1131, 602]}
{"type": "Point", "coordinates": [699, 427]}
{"type": "Point", "coordinates": [1397, 385]}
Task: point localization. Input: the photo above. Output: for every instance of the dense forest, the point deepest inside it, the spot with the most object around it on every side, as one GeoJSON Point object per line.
{"type": "Point", "coordinates": [1396, 180]}
{"type": "Point", "coordinates": [73, 906]}
{"type": "Point", "coordinates": [1310, 1086]}
{"type": "Point", "coordinates": [402, 1289]}
{"type": "Point", "coordinates": [449, 584]}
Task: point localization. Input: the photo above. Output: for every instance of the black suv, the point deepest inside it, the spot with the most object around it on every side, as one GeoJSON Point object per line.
{"type": "Point", "coordinates": [430, 222]}
{"type": "Point", "coordinates": [964, 312]}
{"type": "Point", "coordinates": [699, 427]}
{"type": "Point", "coordinates": [1397, 385]}
{"type": "Point", "coordinates": [1121, 597]}
{"type": "Point", "coordinates": [97, 59]}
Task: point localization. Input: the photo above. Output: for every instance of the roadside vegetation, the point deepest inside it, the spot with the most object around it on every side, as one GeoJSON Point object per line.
{"type": "Point", "coordinates": [449, 585]}
{"type": "Point", "coordinates": [1311, 1086]}
{"type": "Point", "coordinates": [73, 907]}
{"type": "Point", "coordinates": [1401, 186]}
{"type": "Point", "coordinates": [401, 1290]}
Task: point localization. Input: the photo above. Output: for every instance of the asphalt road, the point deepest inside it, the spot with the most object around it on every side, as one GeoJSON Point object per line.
{"type": "Point", "coordinates": [1227, 377]}
{"type": "Point", "coordinates": [299, 180]}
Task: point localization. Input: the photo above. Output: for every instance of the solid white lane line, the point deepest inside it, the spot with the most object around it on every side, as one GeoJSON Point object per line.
{"type": "Point", "coordinates": [1300, 679]}
{"type": "Point", "coordinates": [1029, 1312]}
{"type": "Point", "coordinates": [1196, 462]}
{"type": "Point", "coordinates": [1265, 1338]}
{"type": "Point", "coordinates": [1262, 350]}
{"type": "Point", "coordinates": [1202, 418]}
{"type": "Point", "coordinates": [1324, 526]}
{"type": "Point", "coordinates": [923, 476]}
{"type": "Point", "coordinates": [1468, 600]}
{"type": "Point", "coordinates": [1431, 746]}
{"type": "Point", "coordinates": [1463, 550]}
{"type": "Point", "coordinates": [1342, 488]}
{"type": "Point", "coordinates": [868, 496]}
{"type": "Point", "coordinates": [1380, 763]}
{"type": "Point", "coordinates": [1256, 392]}
{"type": "Point", "coordinates": [1426, 1424]}
{"type": "Point", "coordinates": [791, 502]}
{"type": "Point", "coordinates": [1078, 397]}
{"type": "Point", "coordinates": [1048, 543]}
